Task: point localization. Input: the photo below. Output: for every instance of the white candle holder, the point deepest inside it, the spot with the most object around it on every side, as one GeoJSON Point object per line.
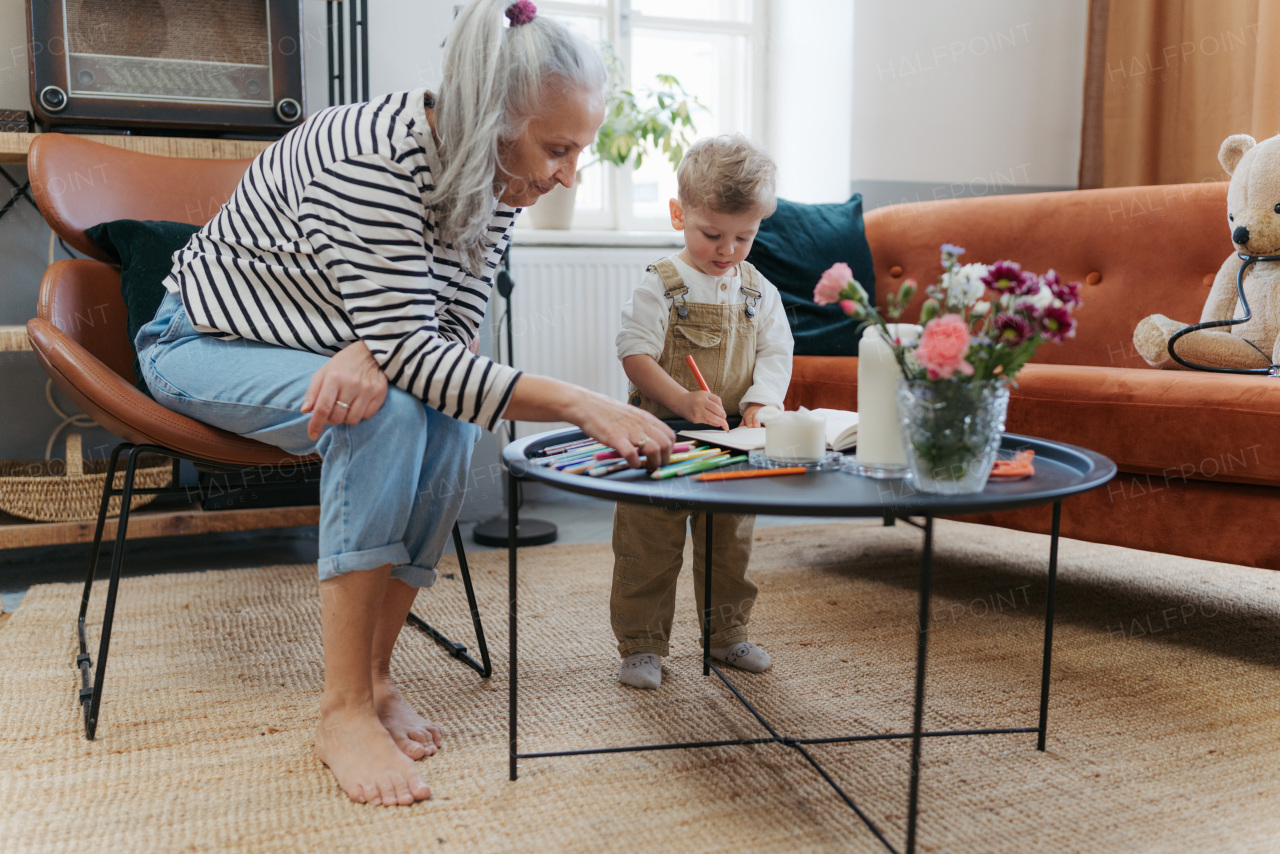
{"type": "Point", "coordinates": [829, 461]}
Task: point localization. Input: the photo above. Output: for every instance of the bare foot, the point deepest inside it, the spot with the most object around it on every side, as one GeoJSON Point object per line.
{"type": "Point", "coordinates": [412, 733]}
{"type": "Point", "coordinates": [369, 766]}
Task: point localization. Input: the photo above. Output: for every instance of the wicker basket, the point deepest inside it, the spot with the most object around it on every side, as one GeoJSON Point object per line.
{"type": "Point", "coordinates": [51, 491]}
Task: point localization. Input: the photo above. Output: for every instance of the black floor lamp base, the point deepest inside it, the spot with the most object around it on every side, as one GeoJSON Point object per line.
{"type": "Point", "coordinates": [529, 532]}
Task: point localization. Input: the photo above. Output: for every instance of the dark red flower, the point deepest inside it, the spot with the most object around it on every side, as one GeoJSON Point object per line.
{"type": "Point", "coordinates": [1067, 292]}
{"type": "Point", "coordinates": [1011, 330]}
{"type": "Point", "coordinates": [1057, 324]}
{"type": "Point", "coordinates": [1003, 276]}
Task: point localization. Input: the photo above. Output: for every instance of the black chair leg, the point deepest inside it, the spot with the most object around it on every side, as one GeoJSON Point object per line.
{"type": "Point", "coordinates": [458, 650]}
{"type": "Point", "coordinates": [91, 691]}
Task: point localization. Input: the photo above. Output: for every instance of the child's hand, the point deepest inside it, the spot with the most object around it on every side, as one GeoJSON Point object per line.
{"type": "Point", "coordinates": [751, 415]}
{"type": "Point", "coordinates": [703, 407]}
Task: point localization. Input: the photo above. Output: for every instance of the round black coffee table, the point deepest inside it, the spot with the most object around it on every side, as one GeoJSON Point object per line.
{"type": "Point", "coordinates": [1060, 471]}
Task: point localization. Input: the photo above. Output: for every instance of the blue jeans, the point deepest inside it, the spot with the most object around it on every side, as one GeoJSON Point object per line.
{"type": "Point", "coordinates": [390, 487]}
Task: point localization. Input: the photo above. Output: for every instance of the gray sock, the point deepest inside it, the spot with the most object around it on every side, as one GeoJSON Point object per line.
{"type": "Point", "coordinates": [642, 670]}
{"type": "Point", "coordinates": [743, 655]}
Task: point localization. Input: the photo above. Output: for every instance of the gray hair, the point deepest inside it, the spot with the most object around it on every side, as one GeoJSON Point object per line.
{"type": "Point", "coordinates": [495, 78]}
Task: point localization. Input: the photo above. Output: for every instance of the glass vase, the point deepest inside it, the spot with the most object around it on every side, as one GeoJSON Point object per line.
{"type": "Point", "coordinates": [951, 432]}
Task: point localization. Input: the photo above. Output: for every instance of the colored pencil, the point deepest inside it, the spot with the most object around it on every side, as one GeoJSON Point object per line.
{"type": "Point", "coordinates": [697, 374]}
{"type": "Point", "coordinates": [552, 450]}
{"type": "Point", "coordinates": [697, 466]}
{"type": "Point", "coordinates": [677, 448]}
{"type": "Point", "coordinates": [607, 468]}
{"type": "Point", "coordinates": [745, 473]}
{"type": "Point", "coordinates": [714, 463]}
{"type": "Point", "coordinates": [598, 468]}
{"type": "Point", "coordinates": [582, 453]}
{"type": "Point", "coordinates": [570, 460]}
{"type": "Point", "coordinates": [684, 468]}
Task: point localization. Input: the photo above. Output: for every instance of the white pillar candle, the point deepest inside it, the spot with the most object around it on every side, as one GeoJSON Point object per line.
{"type": "Point", "coordinates": [880, 453]}
{"type": "Point", "coordinates": [795, 437]}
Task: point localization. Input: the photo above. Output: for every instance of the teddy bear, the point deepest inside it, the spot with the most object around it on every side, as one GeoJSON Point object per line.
{"type": "Point", "coordinates": [1253, 214]}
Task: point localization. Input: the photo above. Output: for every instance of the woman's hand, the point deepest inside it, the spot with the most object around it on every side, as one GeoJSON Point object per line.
{"type": "Point", "coordinates": [703, 407]}
{"type": "Point", "coordinates": [618, 425]}
{"type": "Point", "coordinates": [627, 429]}
{"type": "Point", "coordinates": [348, 389]}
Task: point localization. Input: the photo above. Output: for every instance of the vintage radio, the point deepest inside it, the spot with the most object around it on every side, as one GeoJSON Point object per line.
{"type": "Point", "coordinates": [230, 67]}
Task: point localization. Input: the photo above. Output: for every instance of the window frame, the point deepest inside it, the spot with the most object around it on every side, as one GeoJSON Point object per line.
{"type": "Point", "coordinates": [619, 20]}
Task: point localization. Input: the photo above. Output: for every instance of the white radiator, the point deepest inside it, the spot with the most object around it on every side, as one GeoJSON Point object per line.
{"type": "Point", "coordinates": [566, 310]}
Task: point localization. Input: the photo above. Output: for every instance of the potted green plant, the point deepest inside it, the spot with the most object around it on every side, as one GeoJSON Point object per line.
{"type": "Point", "coordinates": [657, 121]}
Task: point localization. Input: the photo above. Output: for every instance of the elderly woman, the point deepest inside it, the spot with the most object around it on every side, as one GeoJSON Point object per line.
{"type": "Point", "coordinates": [332, 306]}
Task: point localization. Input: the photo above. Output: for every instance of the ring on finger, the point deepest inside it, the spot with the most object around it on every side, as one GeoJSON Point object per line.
{"type": "Point", "coordinates": [343, 405]}
{"type": "Point", "coordinates": [641, 442]}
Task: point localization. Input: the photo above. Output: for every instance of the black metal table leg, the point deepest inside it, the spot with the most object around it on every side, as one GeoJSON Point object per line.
{"type": "Point", "coordinates": [706, 602]}
{"type": "Point", "coordinates": [512, 509]}
{"type": "Point", "coordinates": [922, 645]}
{"type": "Point", "coordinates": [1048, 626]}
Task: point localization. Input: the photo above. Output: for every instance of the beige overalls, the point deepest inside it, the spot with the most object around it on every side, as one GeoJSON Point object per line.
{"type": "Point", "coordinates": [648, 542]}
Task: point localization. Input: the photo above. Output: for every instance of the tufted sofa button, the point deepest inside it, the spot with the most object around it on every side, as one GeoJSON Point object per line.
{"type": "Point", "coordinates": [895, 271]}
{"type": "Point", "coordinates": [1208, 281]}
{"type": "Point", "coordinates": [1093, 278]}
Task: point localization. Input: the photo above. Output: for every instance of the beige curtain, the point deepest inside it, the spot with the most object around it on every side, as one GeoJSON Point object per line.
{"type": "Point", "coordinates": [1168, 80]}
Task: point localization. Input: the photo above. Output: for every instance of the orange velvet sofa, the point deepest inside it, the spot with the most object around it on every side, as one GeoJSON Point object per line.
{"type": "Point", "coordinates": [1198, 473]}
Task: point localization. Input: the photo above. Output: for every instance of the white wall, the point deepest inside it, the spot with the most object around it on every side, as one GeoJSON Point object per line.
{"type": "Point", "coordinates": [405, 46]}
{"type": "Point", "coordinates": [810, 97]}
{"type": "Point", "coordinates": [13, 55]}
{"type": "Point", "coordinates": [968, 92]}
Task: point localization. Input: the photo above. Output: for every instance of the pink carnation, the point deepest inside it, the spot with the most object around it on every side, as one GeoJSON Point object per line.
{"type": "Point", "coordinates": [832, 283]}
{"type": "Point", "coordinates": [943, 346]}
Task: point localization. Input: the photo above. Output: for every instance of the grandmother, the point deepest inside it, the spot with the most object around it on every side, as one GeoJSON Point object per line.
{"type": "Point", "coordinates": [332, 307]}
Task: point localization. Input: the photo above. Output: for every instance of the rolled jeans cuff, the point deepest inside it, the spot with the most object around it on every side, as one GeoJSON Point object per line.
{"type": "Point", "coordinates": [728, 637]}
{"type": "Point", "coordinates": [628, 648]}
{"type": "Point", "coordinates": [340, 564]}
{"type": "Point", "coordinates": [416, 577]}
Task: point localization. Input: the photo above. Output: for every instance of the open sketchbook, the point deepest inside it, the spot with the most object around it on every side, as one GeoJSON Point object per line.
{"type": "Point", "coordinates": [842, 433]}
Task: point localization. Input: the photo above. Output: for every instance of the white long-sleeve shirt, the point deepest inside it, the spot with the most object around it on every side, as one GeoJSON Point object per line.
{"type": "Point", "coordinates": [327, 241]}
{"type": "Point", "coordinates": [645, 317]}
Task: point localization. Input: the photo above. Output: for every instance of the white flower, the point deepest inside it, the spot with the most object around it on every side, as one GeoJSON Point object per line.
{"type": "Point", "coordinates": [980, 308]}
{"type": "Point", "coordinates": [964, 285]}
{"type": "Point", "coordinates": [1041, 300]}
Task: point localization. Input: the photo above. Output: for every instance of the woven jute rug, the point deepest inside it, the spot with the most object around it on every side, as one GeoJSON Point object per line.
{"type": "Point", "coordinates": [1164, 719]}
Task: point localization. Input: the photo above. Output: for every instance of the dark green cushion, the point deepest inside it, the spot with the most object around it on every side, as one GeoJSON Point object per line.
{"type": "Point", "coordinates": [144, 250]}
{"type": "Point", "coordinates": [794, 248]}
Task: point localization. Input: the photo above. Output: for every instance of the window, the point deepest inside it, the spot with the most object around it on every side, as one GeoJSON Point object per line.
{"type": "Point", "coordinates": [715, 48]}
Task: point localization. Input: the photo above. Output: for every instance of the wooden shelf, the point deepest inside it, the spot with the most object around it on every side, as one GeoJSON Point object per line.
{"type": "Point", "coordinates": [13, 146]}
{"type": "Point", "coordinates": [147, 522]}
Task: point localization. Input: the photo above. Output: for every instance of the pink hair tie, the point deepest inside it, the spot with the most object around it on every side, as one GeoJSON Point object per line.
{"type": "Point", "coordinates": [521, 13]}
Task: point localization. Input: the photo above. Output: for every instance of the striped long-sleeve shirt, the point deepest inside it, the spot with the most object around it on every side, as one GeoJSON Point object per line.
{"type": "Point", "coordinates": [327, 241]}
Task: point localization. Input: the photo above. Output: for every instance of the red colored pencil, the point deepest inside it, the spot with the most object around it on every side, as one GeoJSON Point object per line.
{"type": "Point", "coordinates": [745, 473]}
{"type": "Point", "coordinates": [697, 374]}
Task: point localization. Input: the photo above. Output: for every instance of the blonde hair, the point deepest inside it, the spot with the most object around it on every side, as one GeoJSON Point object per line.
{"type": "Point", "coordinates": [727, 174]}
{"type": "Point", "coordinates": [496, 79]}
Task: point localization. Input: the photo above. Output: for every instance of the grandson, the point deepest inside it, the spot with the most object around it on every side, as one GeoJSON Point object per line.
{"type": "Point", "coordinates": [705, 301]}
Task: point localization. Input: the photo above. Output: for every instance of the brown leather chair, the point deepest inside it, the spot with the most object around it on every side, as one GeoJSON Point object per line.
{"type": "Point", "coordinates": [80, 338]}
